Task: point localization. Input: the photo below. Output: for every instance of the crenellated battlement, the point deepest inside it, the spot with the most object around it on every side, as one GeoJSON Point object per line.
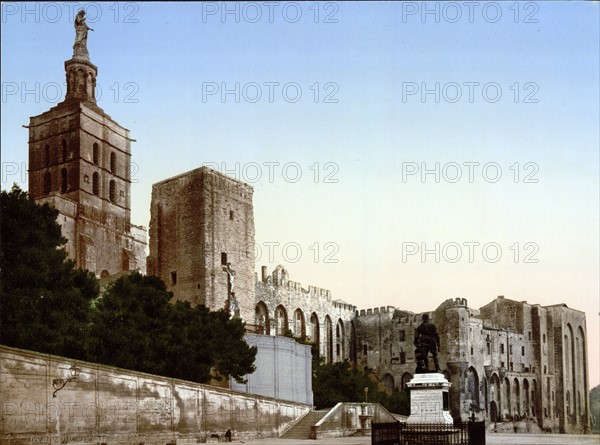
{"type": "Point", "coordinates": [377, 310]}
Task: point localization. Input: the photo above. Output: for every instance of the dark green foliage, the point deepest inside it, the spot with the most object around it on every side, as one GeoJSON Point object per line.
{"type": "Point", "coordinates": [595, 409]}
{"type": "Point", "coordinates": [339, 382]}
{"type": "Point", "coordinates": [135, 326]}
{"type": "Point", "coordinates": [44, 300]}
{"type": "Point", "coordinates": [129, 325]}
{"type": "Point", "coordinates": [48, 306]}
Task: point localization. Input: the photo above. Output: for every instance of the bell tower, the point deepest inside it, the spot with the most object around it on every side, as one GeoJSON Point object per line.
{"type": "Point", "coordinates": [80, 163]}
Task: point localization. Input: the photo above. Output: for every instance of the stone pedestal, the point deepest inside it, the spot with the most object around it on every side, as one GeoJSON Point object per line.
{"type": "Point", "coordinates": [429, 399]}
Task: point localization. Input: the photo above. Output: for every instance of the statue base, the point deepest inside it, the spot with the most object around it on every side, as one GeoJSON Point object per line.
{"type": "Point", "coordinates": [429, 399]}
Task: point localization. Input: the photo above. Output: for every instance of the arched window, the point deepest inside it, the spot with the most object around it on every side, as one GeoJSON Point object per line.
{"type": "Point", "coordinates": [47, 183]}
{"type": "Point", "coordinates": [113, 162]}
{"type": "Point", "coordinates": [262, 319]}
{"type": "Point", "coordinates": [46, 155]}
{"type": "Point", "coordinates": [340, 341]}
{"type": "Point", "coordinates": [96, 184]}
{"type": "Point", "coordinates": [299, 325]}
{"type": "Point", "coordinates": [328, 340]}
{"type": "Point", "coordinates": [281, 320]}
{"type": "Point", "coordinates": [112, 193]}
{"type": "Point", "coordinates": [64, 180]}
{"type": "Point", "coordinates": [64, 150]}
{"type": "Point", "coordinates": [314, 330]}
{"type": "Point", "coordinates": [95, 153]}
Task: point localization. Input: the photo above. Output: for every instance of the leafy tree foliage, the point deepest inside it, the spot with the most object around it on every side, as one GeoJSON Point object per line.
{"type": "Point", "coordinates": [44, 300]}
{"type": "Point", "coordinates": [135, 326]}
{"type": "Point", "coordinates": [595, 409]}
{"type": "Point", "coordinates": [49, 306]}
{"type": "Point", "coordinates": [339, 382]}
{"type": "Point", "coordinates": [129, 324]}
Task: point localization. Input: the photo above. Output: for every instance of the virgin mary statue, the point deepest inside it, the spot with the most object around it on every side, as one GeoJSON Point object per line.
{"type": "Point", "coordinates": [81, 32]}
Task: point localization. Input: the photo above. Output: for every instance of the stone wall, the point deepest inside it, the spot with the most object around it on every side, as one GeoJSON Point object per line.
{"type": "Point", "coordinates": [284, 305]}
{"type": "Point", "coordinates": [200, 222]}
{"type": "Point", "coordinates": [347, 419]}
{"type": "Point", "coordinates": [112, 405]}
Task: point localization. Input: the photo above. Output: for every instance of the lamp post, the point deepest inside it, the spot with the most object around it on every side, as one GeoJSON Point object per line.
{"type": "Point", "coordinates": [59, 384]}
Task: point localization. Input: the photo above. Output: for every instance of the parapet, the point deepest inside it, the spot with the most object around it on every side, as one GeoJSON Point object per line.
{"type": "Point", "coordinates": [453, 302]}
{"type": "Point", "coordinates": [319, 292]}
{"type": "Point", "coordinates": [378, 310]}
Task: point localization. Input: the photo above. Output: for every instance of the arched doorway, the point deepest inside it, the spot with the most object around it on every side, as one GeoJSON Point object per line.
{"type": "Point", "coordinates": [406, 377]}
{"type": "Point", "coordinates": [516, 398]}
{"type": "Point", "coordinates": [526, 403]}
{"type": "Point", "coordinates": [494, 411]}
{"type": "Point", "coordinates": [495, 397]}
{"type": "Point", "coordinates": [472, 389]}
{"type": "Point", "coordinates": [388, 383]}
{"type": "Point", "coordinates": [506, 406]}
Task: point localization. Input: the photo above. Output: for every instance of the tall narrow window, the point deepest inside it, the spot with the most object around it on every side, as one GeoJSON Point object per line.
{"type": "Point", "coordinates": [112, 195]}
{"type": "Point", "coordinates": [64, 150]}
{"type": "Point", "coordinates": [47, 183]}
{"type": "Point", "coordinates": [96, 184]}
{"type": "Point", "coordinates": [95, 153]}
{"type": "Point", "coordinates": [223, 259]}
{"type": "Point", "coordinates": [113, 163]}
{"type": "Point", "coordinates": [64, 181]}
{"type": "Point", "coordinates": [46, 155]}
{"type": "Point", "coordinates": [402, 335]}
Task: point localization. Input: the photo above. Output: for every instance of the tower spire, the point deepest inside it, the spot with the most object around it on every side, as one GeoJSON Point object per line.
{"type": "Point", "coordinates": [81, 73]}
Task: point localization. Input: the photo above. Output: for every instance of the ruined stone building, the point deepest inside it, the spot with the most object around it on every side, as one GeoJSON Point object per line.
{"type": "Point", "coordinates": [507, 360]}
{"type": "Point", "coordinates": [282, 304]}
{"type": "Point", "coordinates": [202, 240]}
{"type": "Point", "coordinates": [80, 163]}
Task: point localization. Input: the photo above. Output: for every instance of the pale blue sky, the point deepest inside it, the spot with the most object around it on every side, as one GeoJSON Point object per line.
{"type": "Point", "coordinates": [171, 53]}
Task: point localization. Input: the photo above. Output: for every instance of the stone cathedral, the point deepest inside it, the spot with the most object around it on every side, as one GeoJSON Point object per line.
{"type": "Point", "coordinates": [80, 163]}
{"type": "Point", "coordinates": [506, 360]}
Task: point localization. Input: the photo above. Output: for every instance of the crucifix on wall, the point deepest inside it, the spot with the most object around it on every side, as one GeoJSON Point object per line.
{"type": "Point", "coordinates": [232, 304]}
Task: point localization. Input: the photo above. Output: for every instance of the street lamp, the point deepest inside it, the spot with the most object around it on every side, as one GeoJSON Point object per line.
{"type": "Point", "coordinates": [59, 384]}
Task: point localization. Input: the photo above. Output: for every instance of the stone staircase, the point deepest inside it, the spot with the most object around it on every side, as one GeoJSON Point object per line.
{"type": "Point", "coordinates": [302, 429]}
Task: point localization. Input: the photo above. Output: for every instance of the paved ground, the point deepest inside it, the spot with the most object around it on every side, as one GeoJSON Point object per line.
{"type": "Point", "coordinates": [491, 439]}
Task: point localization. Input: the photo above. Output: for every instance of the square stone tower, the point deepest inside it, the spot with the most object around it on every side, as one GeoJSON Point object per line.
{"type": "Point", "coordinates": [80, 163]}
{"type": "Point", "coordinates": [202, 240]}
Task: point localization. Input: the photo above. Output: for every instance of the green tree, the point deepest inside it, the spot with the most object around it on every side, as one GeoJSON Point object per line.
{"type": "Point", "coordinates": [45, 301]}
{"type": "Point", "coordinates": [339, 382]}
{"type": "Point", "coordinates": [129, 324]}
{"type": "Point", "coordinates": [135, 326]}
{"type": "Point", "coordinates": [595, 409]}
